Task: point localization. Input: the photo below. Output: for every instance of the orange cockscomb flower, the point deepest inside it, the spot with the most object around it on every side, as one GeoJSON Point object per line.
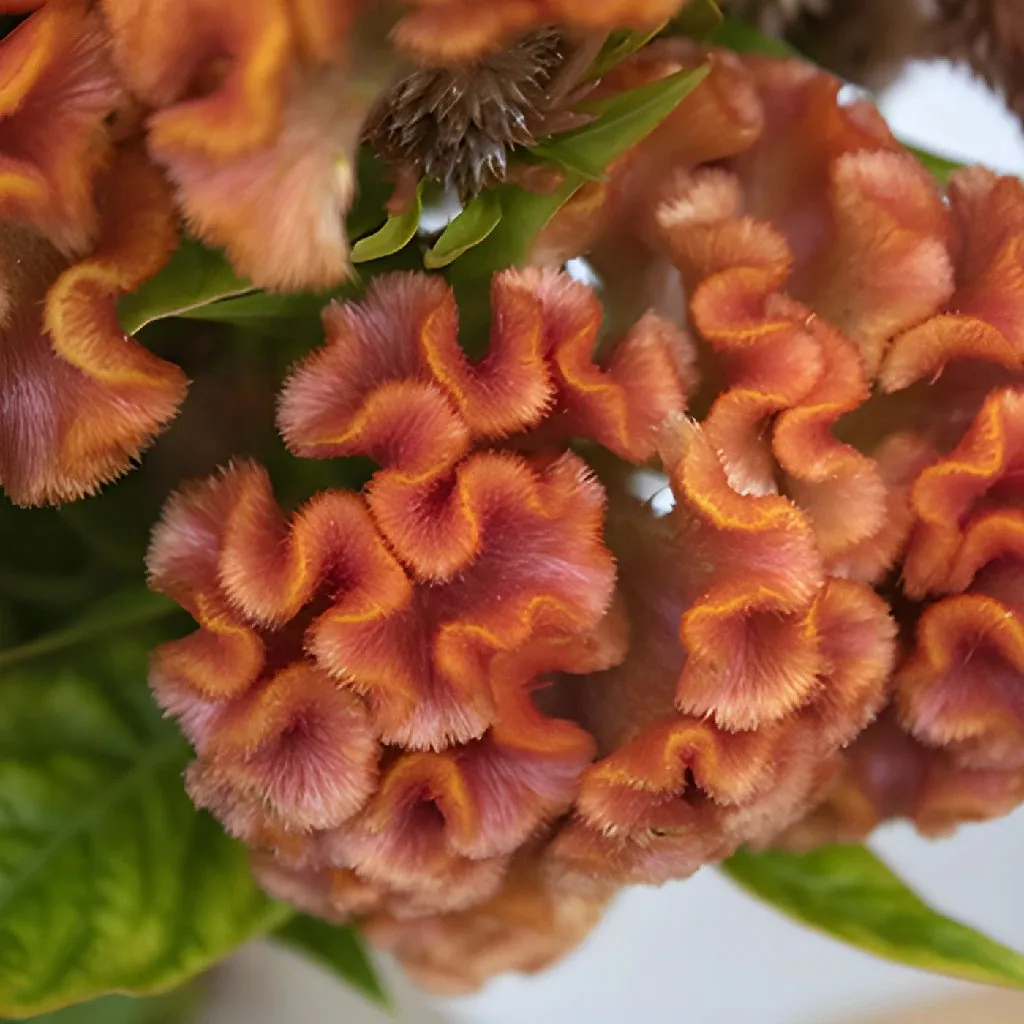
{"type": "Point", "coordinates": [470, 702]}
{"type": "Point", "coordinates": [57, 90]}
{"type": "Point", "coordinates": [452, 30]}
{"type": "Point", "coordinates": [359, 690]}
{"type": "Point", "coordinates": [255, 116]}
{"type": "Point", "coordinates": [748, 670]}
{"type": "Point", "coordinates": [863, 334]}
{"type": "Point", "coordinates": [80, 399]}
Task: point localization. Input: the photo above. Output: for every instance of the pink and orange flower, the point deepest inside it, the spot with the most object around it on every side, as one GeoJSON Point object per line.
{"type": "Point", "coordinates": [471, 701]}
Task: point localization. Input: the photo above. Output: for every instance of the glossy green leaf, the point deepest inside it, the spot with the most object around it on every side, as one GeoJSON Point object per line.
{"type": "Point", "coordinates": [110, 881]}
{"type": "Point", "coordinates": [848, 893]}
{"type": "Point", "coordinates": [194, 277]}
{"type": "Point", "coordinates": [337, 948]}
{"type": "Point", "coordinates": [177, 1007]}
{"type": "Point", "coordinates": [699, 19]}
{"type": "Point", "coordinates": [479, 218]}
{"type": "Point", "coordinates": [397, 232]}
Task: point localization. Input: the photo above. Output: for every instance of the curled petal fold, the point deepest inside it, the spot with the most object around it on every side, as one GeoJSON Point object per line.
{"type": "Point", "coordinates": [453, 30]}
{"type": "Point", "coordinates": [57, 88]}
{"type": "Point", "coordinates": [528, 925]}
{"type": "Point", "coordinates": [82, 399]}
{"type": "Point", "coordinates": [958, 523]}
{"type": "Point", "coordinates": [886, 774]}
{"type": "Point", "coordinates": [215, 70]}
{"type": "Point", "coordinates": [962, 688]}
{"type": "Point", "coordinates": [279, 208]}
{"type": "Point", "coordinates": [885, 265]}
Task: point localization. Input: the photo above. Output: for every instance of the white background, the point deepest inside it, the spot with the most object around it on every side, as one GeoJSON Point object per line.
{"type": "Point", "coordinates": [701, 952]}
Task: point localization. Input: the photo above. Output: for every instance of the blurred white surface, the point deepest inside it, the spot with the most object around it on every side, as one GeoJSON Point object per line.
{"type": "Point", "coordinates": [701, 952]}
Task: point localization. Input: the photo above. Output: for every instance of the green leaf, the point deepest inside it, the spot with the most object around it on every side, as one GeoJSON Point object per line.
{"type": "Point", "coordinates": [744, 38]}
{"type": "Point", "coordinates": [620, 123]}
{"type": "Point", "coordinates": [479, 218]}
{"type": "Point", "coordinates": [110, 881]}
{"type": "Point", "coordinates": [940, 167]}
{"type": "Point", "coordinates": [337, 948]}
{"type": "Point", "coordinates": [195, 276]}
{"type": "Point", "coordinates": [848, 893]}
{"type": "Point", "coordinates": [619, 45]}
{"type": "Point", "coordinates": [176, 1007]}
{"type": "Point", "coordinates": [623, 120]}
{"type": "Point", "coordinates": [117, 613]}
{"type": "Point", "coordinates": [396, 233]}
{"type": "Point", "coordinates": [699, 19]}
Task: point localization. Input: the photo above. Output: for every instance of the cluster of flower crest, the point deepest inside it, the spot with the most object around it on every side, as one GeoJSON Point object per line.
{"type": "Point", "coordinates": [120, 118]}
{"type": "Point", "coordinates": [469, 703]}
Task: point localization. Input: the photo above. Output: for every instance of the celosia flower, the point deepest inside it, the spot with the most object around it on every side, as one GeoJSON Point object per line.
{"type": "Point", "coordinates": [80, 399]}
{"type": "Point", "coordinates": [452, 30]}
{"type": "Point", "coordinates": [256, 115]}
{"type": "Point", "coordinates": [748, 670]}
{"type": "Point", "coordinates": [844, 544]}
{"type": "Point", "coordinates": [865, 340]}
{"type": "Point", "coordinates": [57, 89]}
{"type": "Point", "coordinates": [358, 692]}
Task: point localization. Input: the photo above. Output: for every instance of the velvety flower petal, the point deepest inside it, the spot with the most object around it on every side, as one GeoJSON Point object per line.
{"type": "Point", "coordinates": [279, 207]}
{"type": "Point", "coordinates": [885, 265]}
{"type": "Point", "coordinates": [80, 399]}
{"type": "Point", "coordinates": [215, 70]}
{"type": "Point", "coordinates": [720, 726]}
{"type": "Point", "coordinates": [962, 688]}
{"type": "Point", "coordinates": [295, 753]}
{"type": "Point", "coordinates": [886, 775]}
{"type": "Point", "coordinates": [842, 490]}
{"type": "Point", "coordinates": [57, 88]}
{"type": "Point", "coordinates": [334, 894]}
{"type": "Point", "coordinates": [395, 356]}
{"type": "Point", "coordinates": [957, 501]}
{"type": "Point", "coordinates": [451, 30]}
{"type": "Point", "coordinates": [529, 924]}
{"type": "Point", "coordinates": [786, 173]}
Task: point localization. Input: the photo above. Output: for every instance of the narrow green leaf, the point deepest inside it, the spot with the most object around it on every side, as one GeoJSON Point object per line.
{"type": "Point", "coordinates": [568, 160]}
{"type": "Point", "coordinates": [396, 233]}
{"type": "Point", "coordinates": [110, 881]}
{"type": "Point", "coordinates": [623, 120]}
{"type": "Point", "coordinates": [337, 948]}
{"type": "Point", "coordinates": [194, 277]}
{"type": "Point", "coordinates": [479, 218]}
{"type": "Point", "coordinates": [619, 124]}
{"type": "Point", "coordinates": [940, 167]}
{"type": "Point", "coordinates": [117, 613]}
{"type": "Point", "coordinates": [848, 893]}
{"type": "Point", "coordinates": [744, 38]}
{"type": "Point", "coordinates": [699, 19]}
{"type": "Point", "coordinates": [619, 45]}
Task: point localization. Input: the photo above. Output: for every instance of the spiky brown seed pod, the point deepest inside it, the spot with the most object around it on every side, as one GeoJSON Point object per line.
{"type": "Point", "coordinates": [457, 124]}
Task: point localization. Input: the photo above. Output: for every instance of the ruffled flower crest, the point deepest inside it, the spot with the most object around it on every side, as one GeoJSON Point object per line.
{"type": "Point", "coordinates": [255, 117]}
{"type": "Point", "coordinates": [359, 690]}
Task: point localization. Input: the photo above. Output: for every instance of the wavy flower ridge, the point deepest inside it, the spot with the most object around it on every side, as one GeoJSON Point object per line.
{"type": "Point", "coordinates": [359, 690]}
